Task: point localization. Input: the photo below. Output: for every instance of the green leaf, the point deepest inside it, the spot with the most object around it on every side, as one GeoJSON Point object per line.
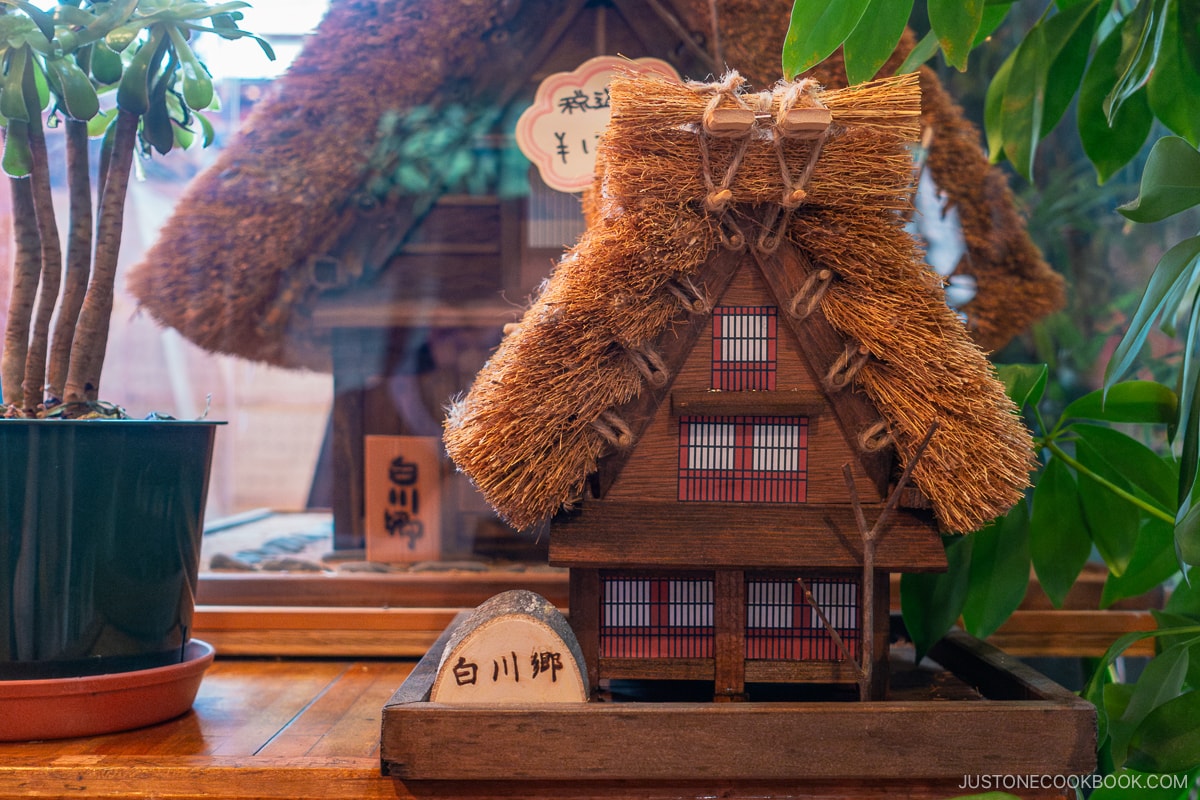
{"type": "Point", "coordinates": [1147, 402]}
{"type": "Point", "coordinates": [98, 124]}
{"type": "Point", "coordinates": [1059, 544]}
{"type": "Point", "coordinates": [1187, 536]}
{"type": "Point", "coordinates": [956, 22]}
{"type": "Point", "coordinates": [1116, 697]}
{"type": "Point", "coordinates": [1189, 32]}
{"type": "Point", "coordinates": [1189, 405]}
{"type": "Point", "coordinates": [1170, 181]}
{"type": "Point", "coordinates": [1184, 601]}
{"type": "Point", "coordinates": [993, 109]}
{"type": "Point", "coordinates": [919, 54]}
{"type": "Point", "coordinates": [1112, 521]}
{"type": "Point", "coordinates": [1024, 100]}
{"type": "Point", "coordinates": [1133, 462]}
{"type": "Point", "coordinates": [1166, 621]}
{"type": "Point", "coordinates": [816, 29]}
{"type": "Point", "coordinates": [1168, 739]}
{"type": "Point", "coordinates": [932, 602]}
{"type": "Point", "coordinates": [1180, 263]}
{"type": "Point", "coordinates": [871, 43]}
{"type": "Point", "coordinates": [993, 15]}
{"type": "Point", "coordinates": [1024, 383]}
{"type": "Point", "coordinates": [1070, 33]}
{"type": "Point", "coordinates": [1110, 147]}
{"type": "Point", "coordinates": [999, 573]}
{"type": "Point", "coordinates": [1141, 39]}
{"type": "Point", "coordinates": [1161, 680]}
{"type": "Point", "coordinates": [1172, 89]}
{"type": "Point", "coordinates": [1151, 563]}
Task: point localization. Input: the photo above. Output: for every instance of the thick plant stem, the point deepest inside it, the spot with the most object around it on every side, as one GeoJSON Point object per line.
{"type": "Point", "coordinates": [51, 251]}
{"type": "Point", "coordinates": [26, 269]}
{"type": "Point", "coordinates": [79, 258]}
{"type": "Point", "coordinates": [91, 335]}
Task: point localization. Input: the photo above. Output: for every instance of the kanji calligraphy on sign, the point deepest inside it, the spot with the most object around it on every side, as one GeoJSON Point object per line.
{"type": "Point", "coordinates": [402, 498]}
{"type": "Point", "coordinates": [514, 648]}
{"type": "Point", "coordinates": [558, 133]}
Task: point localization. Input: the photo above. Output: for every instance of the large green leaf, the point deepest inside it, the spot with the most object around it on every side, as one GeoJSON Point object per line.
{"type": "Point", "coordinates": [1151, 563]}
{"type": "Point", "coordinates": [1166, 621]}
{"type": "Point", "coordinates": [993, 14]}
{"type": "Point", "coordinates": [1174, 86]}
{"type": "Point", "coordinates": [1112, 521]}
{"type": "Point", "coordinates": [1168, 739]}
{"type": "Point", "coordinates": [878, 32]}
{"type": "Point", "coordinates": [1146, 402]}
{"type": "Point", "coordinates": [932, 602]}
{"type": "Point", "coordinates": [1024, 101]}
{"type": "Point", "coordinates": [923, 51]}
{"type": "Point", "coordinates": [1161, 680]}
{"type": "Point", "coordinates": [999, 572]}
{"type": "Point", "coordinates": [1133, 462]}
{"type": "Point", "coordinates": [1110, 147]}
{"type": "Point", "coordinates": [1116, 697]}
{"type": "Point", "coordinates": [1024, 383]}
{"type": "Point", "coordinates": [1069, 33]}
{"type": "Point", "coordinates": [1187, 535]}
{"type": "Point", "coordinates": [1059, 544]}
{"type": "Point", "coordinates": [956, 22]}
{"type": "Point", "coordinates": [1189, 32]}
{"type": "Point", "coordinates": [816, 29]}
{"type": "Point", "coordinates": [1141, 38]}
{"type": "Point", "coordinates": [1170, 181]}
{"type": "Point", "coordinates": [1180, 263]}
{"type": "Point", "coordinates": [1188, 386]}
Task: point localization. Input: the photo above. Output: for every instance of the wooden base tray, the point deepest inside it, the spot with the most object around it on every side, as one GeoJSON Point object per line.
{"type": "Point", "coordinates": [981, 712]}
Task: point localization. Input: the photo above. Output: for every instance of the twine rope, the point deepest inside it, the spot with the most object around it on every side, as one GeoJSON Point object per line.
{"type": "Point", "coordinates": [875, 437]}
{"type": "Point", "coordinates": [812, 291]}
{"type": "Point", "coordinates": [613, 430]}
{"type": "Point", "coordinates": [691, 297]}
{"type": "Point", "coordinates": [650, 364]}
{"type": "Point", "coordinates": [846, 366]}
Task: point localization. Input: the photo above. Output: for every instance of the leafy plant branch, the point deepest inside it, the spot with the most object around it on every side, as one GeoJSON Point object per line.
{"type": "Point", "coordinates": [58, 65]}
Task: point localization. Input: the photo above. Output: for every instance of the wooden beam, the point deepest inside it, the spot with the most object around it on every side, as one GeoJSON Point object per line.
{"type": "Point", "coordinates": [630, 534]}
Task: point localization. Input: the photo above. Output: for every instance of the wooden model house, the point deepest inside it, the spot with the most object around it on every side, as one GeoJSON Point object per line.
{"type": "Point", "coordinates": [723, 392]}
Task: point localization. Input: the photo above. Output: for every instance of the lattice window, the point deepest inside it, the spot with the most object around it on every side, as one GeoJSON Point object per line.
{"type": "Point", "coordinates": [656, 617]}
{"type": "Point", "coordinates": [744, 347]}
{"type": "Point", "coordinates": [743, 459]}
{"type": "Point", "coordinates": [781, 625]}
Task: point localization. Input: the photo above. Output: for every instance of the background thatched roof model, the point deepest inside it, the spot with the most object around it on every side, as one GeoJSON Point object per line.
{"type": "Point", "coordinates": [531, 429]}
{"type": "Point", "coordinates": [233, 270]}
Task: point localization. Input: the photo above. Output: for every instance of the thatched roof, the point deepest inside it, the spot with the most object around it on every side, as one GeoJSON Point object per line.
{"type": "Point", "coordinates": [234, 268]}
{"type": "Point", "coordinates": [532, 428]}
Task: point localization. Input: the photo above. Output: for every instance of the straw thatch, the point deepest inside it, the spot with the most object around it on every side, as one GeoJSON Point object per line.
{"type": "Point", "coordinates": [527, 433]}
{"type": "Point", "coordinates": [233, 270]}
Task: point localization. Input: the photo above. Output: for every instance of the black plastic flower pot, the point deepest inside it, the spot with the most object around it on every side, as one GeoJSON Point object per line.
{"type": "Point", "coordinates": [100, 528]}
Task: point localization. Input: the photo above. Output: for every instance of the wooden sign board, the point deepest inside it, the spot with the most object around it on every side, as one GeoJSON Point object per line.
{"type": "Point", "coordinates": [402, 498]}
{"type": "Point", "coordinates": [559, 132]}
{"type": "Point", "coordinates": [514, 648]}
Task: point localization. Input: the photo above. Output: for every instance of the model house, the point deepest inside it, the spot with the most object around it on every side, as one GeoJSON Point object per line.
{"type": "Point", "coordinates": [723, 386]}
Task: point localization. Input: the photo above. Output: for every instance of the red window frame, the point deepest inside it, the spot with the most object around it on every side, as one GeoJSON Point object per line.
{"type": "Point", "coordinates": [656, 617]}
{"type": "Point", "coordinates": [735, 338]}
{"type": "Point", "coordinates": [732, 469]}
{"type": "Point", "coordinates": [788, 628]}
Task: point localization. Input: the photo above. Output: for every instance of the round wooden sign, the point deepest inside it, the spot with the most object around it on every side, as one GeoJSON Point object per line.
{"type": "Point", "coordinates": [514, 648]}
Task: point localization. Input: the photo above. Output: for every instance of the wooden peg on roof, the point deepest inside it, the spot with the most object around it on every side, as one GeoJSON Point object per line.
{"type": "Point", "coordinates": [728, 121]}
{"type": "Point", "coordinates": [807, 123]}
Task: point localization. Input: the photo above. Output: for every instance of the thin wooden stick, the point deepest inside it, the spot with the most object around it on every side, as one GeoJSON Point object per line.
{"type": "Point", "coordinates": [833, 634]}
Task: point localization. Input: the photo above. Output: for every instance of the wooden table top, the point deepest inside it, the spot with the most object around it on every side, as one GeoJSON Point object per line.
{"type": "Point", "coordinates": [310, 728]}
{"type": "Point", "coordinates": [258, 728]}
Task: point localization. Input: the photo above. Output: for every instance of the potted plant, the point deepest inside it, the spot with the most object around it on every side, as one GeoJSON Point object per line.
{"type": "Point", "coordinates": [99, 520]}
{"type": "Point", "coordinates": [1120, 469]}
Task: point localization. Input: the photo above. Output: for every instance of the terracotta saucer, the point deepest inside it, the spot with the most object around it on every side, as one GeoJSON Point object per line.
{"type": "Point", "coordinates": [59, 708]}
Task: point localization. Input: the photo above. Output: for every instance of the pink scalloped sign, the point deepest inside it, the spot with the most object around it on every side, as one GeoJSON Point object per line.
{"type": "Point", "coordinates": [559, 132]}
